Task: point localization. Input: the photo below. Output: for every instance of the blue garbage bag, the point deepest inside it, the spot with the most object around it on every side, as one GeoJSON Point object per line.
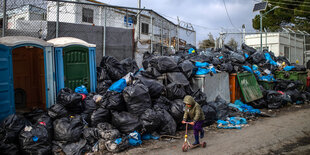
{"type": "Point", "coordinates": [247, 68]}
{"type": "Point", "coordinates": [237, 121]}
{"type": "Point", "coordinates": [269, 59]}
{"type": "Point", "coordinates": [288, 68]}
{"type": "Point", "coordinates": [221, 57]}
{"type": "Point", "coordinates": [254, 67]}
{"type": "Point", "coordinates": [201, 64]}
{"type": "Point", "coordinates": [257, 73]}
{"type": "Point", "coordinates": [246, 55]}
{"type": "Point", "coordinates": [135, 139]}
{"type": "Point", "coordinates": [213, 70]}
{"type": "Point", "coordinates": [191, 50]}
{"type": "Point", "coordinates": [244, 107]}
{"type": "Point", "coordinates": [267, 78]}
{"type": "Point", "coordinates": [81, 90]}
{"type": "Point", "coordinates": [118, 86]}
{"type": "Point", "coordinates": [148, 137]}
{"type": "Point", "coordinates": [118, 140]}
{"type": "Point", "coordinates": [202, 71]}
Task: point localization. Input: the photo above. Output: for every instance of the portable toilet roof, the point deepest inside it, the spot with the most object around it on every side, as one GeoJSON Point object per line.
{"type": "Point", "coordinates": [20, 40]}
{"type": "Point", "coordinates": [67, 41]}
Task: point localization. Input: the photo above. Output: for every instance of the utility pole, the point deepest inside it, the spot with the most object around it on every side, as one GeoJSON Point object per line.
{"type": "Point", "coordinates": [138, 20]}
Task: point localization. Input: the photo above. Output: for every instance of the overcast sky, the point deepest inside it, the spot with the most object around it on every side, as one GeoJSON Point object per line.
{"type": "Point", "coordinates": [205, 15]}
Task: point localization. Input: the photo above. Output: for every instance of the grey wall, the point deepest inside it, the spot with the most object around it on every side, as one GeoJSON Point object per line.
{"type": "Point", "coordinates": [119, 42]}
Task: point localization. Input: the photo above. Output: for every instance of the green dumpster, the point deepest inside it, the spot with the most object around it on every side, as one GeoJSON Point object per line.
{"type": "Point", "coordinates": [269, 85]}
{"type": "Point", "coordinates": [249, 87]}
{"type": "Point", "coordinates": [293, 75]}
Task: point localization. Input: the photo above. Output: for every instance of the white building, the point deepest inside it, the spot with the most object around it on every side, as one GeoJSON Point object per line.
{"type": "Point", "coordinates": [281, 44]}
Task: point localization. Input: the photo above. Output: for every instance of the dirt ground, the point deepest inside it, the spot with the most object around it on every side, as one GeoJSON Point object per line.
{"type": "Point", "coordinates": [287, 132]}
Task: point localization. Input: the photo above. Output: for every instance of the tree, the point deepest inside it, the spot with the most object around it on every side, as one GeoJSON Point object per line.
{"type": "Point", "coordinates": [294, 14]}
{"type": "Point", "coordinates": [207, 43]}
{"type": "Point", "coordinates": [233, 43]}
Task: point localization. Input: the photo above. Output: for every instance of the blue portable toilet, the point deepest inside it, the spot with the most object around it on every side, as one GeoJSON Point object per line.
{"type": "Point", "coordinates": [27, 74]}
{"type": "Point", "coordinates": [75, 62]}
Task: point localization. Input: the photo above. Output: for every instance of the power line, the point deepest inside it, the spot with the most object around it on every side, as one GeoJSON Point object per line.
{"type": "Point", "coordinates": [229, 16]}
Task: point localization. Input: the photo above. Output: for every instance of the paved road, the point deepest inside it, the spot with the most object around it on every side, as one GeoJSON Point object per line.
{"type": "Point", "coordinates": [286, 133]}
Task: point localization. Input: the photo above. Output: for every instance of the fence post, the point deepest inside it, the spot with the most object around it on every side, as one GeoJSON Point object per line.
{"type": "Point", "coordinates": [104, 30]}
{"type": "Point", "coordinates": [4, 18]}
{"type": "Point", "coordinates": [57, 19]}
{"type": "Point", "coordinates": [151, 32]}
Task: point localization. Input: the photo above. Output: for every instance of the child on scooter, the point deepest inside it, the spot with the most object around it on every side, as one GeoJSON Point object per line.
{"type": "Point", "coordinates": [195, 113]}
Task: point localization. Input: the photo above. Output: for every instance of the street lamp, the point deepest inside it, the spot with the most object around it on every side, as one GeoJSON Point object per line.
{"type": "Point", "coordinates": [261, 25]}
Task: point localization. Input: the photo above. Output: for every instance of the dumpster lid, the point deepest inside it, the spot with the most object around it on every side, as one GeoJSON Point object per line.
{"type": "Point", "coordinates": [66, 41]}
{"type": "Point", "coordinates": [18, 40]}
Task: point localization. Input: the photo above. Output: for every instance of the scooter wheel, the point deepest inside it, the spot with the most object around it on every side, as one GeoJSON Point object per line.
{"type": "Point", "coordinates": [204, 144]}
{"type": "Point", "coordinates": [184, 148]}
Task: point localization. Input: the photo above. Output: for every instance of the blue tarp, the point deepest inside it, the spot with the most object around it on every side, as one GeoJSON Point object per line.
{"type": "Point", "coordinates": [244, 107]}
{"type": "Point", "coordinates": [81, 90]}
{"type": "Point", "coordinates": [231, 123]}
{"type": "Point", "coordinates": [118, 86]}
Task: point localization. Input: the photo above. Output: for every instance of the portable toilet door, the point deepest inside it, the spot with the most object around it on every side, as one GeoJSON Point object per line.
{"type": "Point", "coordinates": [75, 63]}
{"type": "Point", "coordinates": [27, 74]}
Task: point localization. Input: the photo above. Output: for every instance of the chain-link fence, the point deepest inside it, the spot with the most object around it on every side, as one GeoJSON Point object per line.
{"type": "Point", "coordinates": [118, 31]}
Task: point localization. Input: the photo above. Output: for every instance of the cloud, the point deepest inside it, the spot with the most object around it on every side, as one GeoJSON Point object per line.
{"type": "Point", "coordinates": [207, 16]}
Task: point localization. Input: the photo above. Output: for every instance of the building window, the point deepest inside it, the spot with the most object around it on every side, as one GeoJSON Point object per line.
{"type": "Point", "coordinates": [88, 15]}
{"type": "Point", "coordinates": [287, 52]}
{"type": "Point", "coordinates": [145, 28]}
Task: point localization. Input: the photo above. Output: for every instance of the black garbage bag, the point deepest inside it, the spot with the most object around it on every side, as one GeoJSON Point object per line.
{"type": "Point", "coordinates": [200, 97]}
{"type": "Point", "coordinates": [92, 135]}
{"type": "Point", "coordinates": [68, 129]}
{"type": "Point", "coordinates": [137, 98]}
{"type": "Point", "coordinates": [178, 78]}
{"type": "Point", "coordinates": [9, 149]}
{"type": "Point", "coordinates": [150, 120]}
{"type": "Point", "coordinates": [210, 115]}
{"type": "Point", "coordinates": [236, 57]}
{"type": "Point", "coordinates": [99, 116]}
{"type": "Point", "coordinates": [103, 86]}
{"type": "Point", "coordinates": [115, 70]}
{"type": "Point", "coordinates": [39, 116]}
{"type": "Point", "coordinates": [12, 125]}
{"type": "Point", "coordinates": [177, 110]}
{"type": "Point", "coordinates": [146, 59]}
{"type": "Point", "coordinates": [299, 67]}
{"type": "Point", "coordinates": [221, 108]}
{"type": "Point", "coordinates": [216, 61]}
{"type": "Point", "coordinates": [168, 125]}
{"type": "Point", "coordinates": [114, 101]}
{"type": "Point", "coordinates": [257, 57]}
{"type": "Point", "coordinates": [75, 148]}
{"type": "Point", "coordinates": [102, 74]}
{"type": "Point", "coordinates": [89, 104]}
{"type": "Point", "coordinates": [71, 100]}
{"type": "Point", "coordinates": [226, 67]}
{"type": "Point", "coordinates": [187, 68]}
{"type": "Point", "coordinates": [161, 103]}
{"type": "Point", "coordinates": [105, 126]}
{"type": "Point", "coordinates": [109, 134]}
{"type": "Point", "coordinates": [150, 72]}
{"type": "Point", "coordinates": [126, 122]}
{"type": "Point", "coordinates": [175, 91]}
{"type": "Point", "coordinates": [259, 104]}
{"type": "Point", "coordinates": [155, 87]}
{"type": "Point", "coordinates": [247, 49]}
{"type": "Point", "coordinates": [164, 64]}
{"type": "Point", "coordinates": [130, 65]}
{"type": "Point", "coordinates": [114, 147]}
{"type": "Point", "coordinates": [33, 115]}
{"type": "Point", "coordinates": [273, 99]}
{"type": "Point", "coordinates": [57, 111]}
{"type": "Point", "coordinates": [35, 140]}
{"type": "Point", "coordinates": [295, 95]}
